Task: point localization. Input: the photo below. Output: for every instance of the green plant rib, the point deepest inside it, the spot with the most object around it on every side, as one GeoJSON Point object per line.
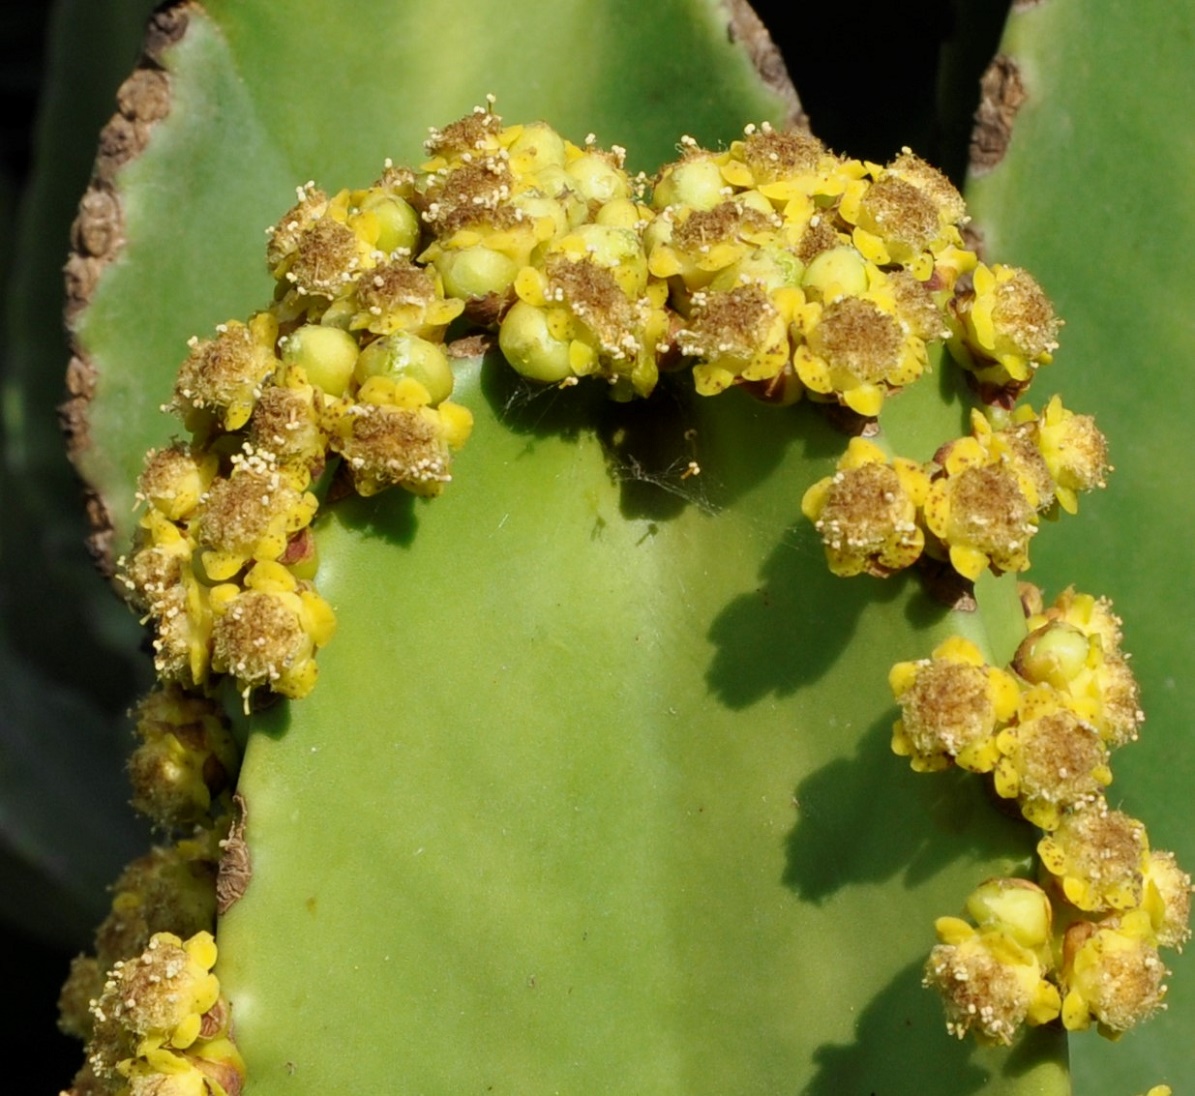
{"type": "Point", "coordinates": [776, 269]}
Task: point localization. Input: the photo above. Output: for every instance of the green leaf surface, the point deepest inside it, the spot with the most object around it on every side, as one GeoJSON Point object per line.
{"type": "Point", "coordinates": [595, 792]}
{"type": "Point", "coordinates": [1093, 197]}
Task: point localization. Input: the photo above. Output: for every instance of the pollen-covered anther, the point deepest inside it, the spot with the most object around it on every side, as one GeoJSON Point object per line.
{"type": "Point", "coordinates": [156, 999]}
{"type": "Point", "coordinates": [286, 425]}
{"type": "Point", "coordinates": [772, 155]}
{"type": "Point", "coordinates": [866, 513]}
{"type": "Point", "coordinates": [951, 707]}
{"type": "Point", "coordinates": [475, 194]}
{"type": "Point", "coordinates": [916, 307]}
{"type": "Point", "coordinates": [1075, 451]}
{"type": "Point", "coordinates": [594, 296]}
{"type": "Point", "coordinates": [223, 376]}
{"type": "Point", "coordinates": [268, 635]}
{"type": "Point", "coordinates": [912, 169]}
{"type": "Point", "coordinates": [386, 446]}
{"type": "Point", "coordinates": [703, 242]}
{"type": "Point", "coordinates": [903, 216]}
{"type": "Point", "coordinates": [400, 296]}
{"type": "Point", "coordinates": [1112, 974]}
{"type": "Point", "coordinates": [858, 338]}
{"type": "Point", "coordinates": [1051, 764]}
{"type": "Point", "coordinates": [1099, 856]}
{"type": "Point", "coordinates": [1167, 899]}
{"type": "Point", "coordinates": [475, 132]}
{"type": "Point", "coordinates": [284, 236]}
{"type": "Point", "coordinates": [326, 258]}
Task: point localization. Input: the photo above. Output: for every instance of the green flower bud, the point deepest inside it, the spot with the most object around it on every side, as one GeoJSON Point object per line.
{"type": "Point", "coordinates": [695, 181]}
{"type": "Point", "coordinates": [398, 223]}
{"type": "Point", "coordinates": [1053, 655]}
{"type": "Point", "coordinates": [597, 178]}
{"type": "Point", "coordinates": [475, 271]}
{"type": "Point", "coordinates": [538, 146]}
{"type": "Point", "coordinates": [838, 272]}
{"type": "Point", "coordinates": [1016, 907]}
{"type": "Point", "coordinates": [767, 267]}
{"type": "Point", "coordinates": [530, 347]}
{"type": "Point", "coordinates": [326, 354]}
{"type": "Point", "coordinates": [407, 356]}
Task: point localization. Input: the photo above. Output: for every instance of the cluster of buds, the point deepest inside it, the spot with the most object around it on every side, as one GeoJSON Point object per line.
{"type": "Point", "coordinates": [976, 504]}
{"type": "Point", "coordinates": [1045, 727]}
{"type": "Point", "coordinates": [145, 1003]}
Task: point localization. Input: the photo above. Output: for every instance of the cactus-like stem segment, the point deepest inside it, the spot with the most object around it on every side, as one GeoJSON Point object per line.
{"type": "Point", "coordinates": [759, 275]}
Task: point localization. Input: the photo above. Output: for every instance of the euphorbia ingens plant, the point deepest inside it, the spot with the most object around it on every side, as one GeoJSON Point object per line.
{"type": "Point", "coordinates": [818, 285]}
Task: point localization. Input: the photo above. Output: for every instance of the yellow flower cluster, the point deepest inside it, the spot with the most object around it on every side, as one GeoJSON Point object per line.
{"type": "Point", "coordinates": [774, 264]}
{"type": "Point", "coordinates": [977, 504]}
{"type": "Point", "coordinates": [1045, 728]}
{"type": "Point", "coordinates": [795, 270]}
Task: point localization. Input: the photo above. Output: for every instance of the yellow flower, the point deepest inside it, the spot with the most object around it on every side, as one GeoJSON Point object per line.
{"type": "Point", "coordinates": [1112, 974]}
{"type": "Point", "coordinates": [222, 377]}
{"type": "Point", "coordinates": [694, 245]}
{"type": "Point", "coordinates": [251, 514]}
{"type": "Point", "coordinates": [162, 583]}
{"type": "Point", "coordinates": [866, 512]}
{"type": "Point", "coordinates": [1167, 899]}
{"type": "Point", "coordinates": [766, 156]}
{"type": "Point", "coordinates": [391, 439]}
{"type": "Point", "coordinates": [907, 215]}
{"type": "Point", "coordinates": [990, 981]}
{"type": "Point", "coordinates": [268, 634]}
{"type": "Point", "coordinates": [175, 478]}
{"type": "Point", "coordinates": [1004, 327]}
{"type": "Point", "coordinates": [285, 428]}
{"type": "Point", "coordinates": [398, 295]}
{"type": "Point", "coordinates": [1072, 447]}
{"type": "Point", "coordinates": [1099, 856]}
{"type": "Point", "coordinates": [1051, 763]}
{"type": "Point", "coordinates": [982, 509]}
{"type": "Point", "coordinates": [186, 758]}
{"type": "Point", "coordinates": [591, 310]}
{"type": "Point", "coordinates": [155, 1000]}
{"type": "Point", "coordinates": [741, 334]}
{"type": "Point", "coordinates": [856, 351]}
{"type": "Point", "coordinates": [951, 705]}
